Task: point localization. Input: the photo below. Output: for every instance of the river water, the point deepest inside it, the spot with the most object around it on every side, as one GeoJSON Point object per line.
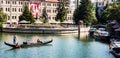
{"type": "Point", "coordinates": [63, 46]}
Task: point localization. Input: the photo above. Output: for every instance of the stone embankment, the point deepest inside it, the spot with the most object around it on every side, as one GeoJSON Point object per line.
{"type": "Point", "coordinates": [43, 29]}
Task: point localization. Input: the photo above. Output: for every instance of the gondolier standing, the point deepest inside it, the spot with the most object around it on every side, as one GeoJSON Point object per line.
{"type": "Point", "coordinates": [14, 39]}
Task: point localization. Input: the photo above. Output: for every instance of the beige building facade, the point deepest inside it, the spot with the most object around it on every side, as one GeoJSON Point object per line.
{"type": "Point", "coordinates": [14, 8]}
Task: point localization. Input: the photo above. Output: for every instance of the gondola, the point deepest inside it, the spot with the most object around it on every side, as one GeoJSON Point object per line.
{"type": "Point", "coordinates": [25, 44]}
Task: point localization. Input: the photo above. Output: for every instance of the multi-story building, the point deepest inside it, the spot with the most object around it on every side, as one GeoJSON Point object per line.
{"type": "Point", "coordinates": [100, 4]}
{"type": "Point", "coordinates": [14, 8]}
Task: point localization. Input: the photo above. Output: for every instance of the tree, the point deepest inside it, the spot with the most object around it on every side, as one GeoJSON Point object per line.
{"type": "Point", "coordinates": [85, 12]}
{"type": "Point", "coordinates": [3, 16]}
{"type": "Point", "coordinates": [27, 15]}
{"type": "Point", "coordinates": [62, 12]}
{"type": "Point", "coordinates": [45, 15]}
{"type": "Point", "coordinates": [111, 13]}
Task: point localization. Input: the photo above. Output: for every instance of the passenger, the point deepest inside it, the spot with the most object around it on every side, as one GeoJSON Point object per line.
{"type": "Point", "coordinates": [25, 42]}
{"type": "Point", "coordinates": [38, 41]}
{"type": "Point", "coordinates": [17, 45]}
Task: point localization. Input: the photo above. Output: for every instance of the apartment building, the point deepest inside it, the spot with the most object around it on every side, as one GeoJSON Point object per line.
{"type": "Point", "coordinates": [14, 8]}
{"type": "Point", "coordinates": [100, 4]}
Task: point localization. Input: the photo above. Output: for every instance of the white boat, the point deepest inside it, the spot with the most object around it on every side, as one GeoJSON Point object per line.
{"type": "Point", "coordinates": [115, 47]}
{"type": "Point", "coordinates": [102, 34]}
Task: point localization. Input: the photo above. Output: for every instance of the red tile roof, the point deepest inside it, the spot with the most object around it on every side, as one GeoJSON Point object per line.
{"type": "Point", "coordinates": [52, 0]}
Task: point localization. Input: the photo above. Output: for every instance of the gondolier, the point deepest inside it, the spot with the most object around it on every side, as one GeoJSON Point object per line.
{"type": "Point", "coordinates": [14, 39]}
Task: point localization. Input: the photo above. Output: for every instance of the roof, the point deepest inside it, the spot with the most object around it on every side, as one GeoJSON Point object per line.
{"type": "Point", "coordinates": [52, 0]}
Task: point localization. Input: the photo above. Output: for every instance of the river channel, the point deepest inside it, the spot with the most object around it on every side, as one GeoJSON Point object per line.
{"type": "Point", "coordinates": [63, 46]}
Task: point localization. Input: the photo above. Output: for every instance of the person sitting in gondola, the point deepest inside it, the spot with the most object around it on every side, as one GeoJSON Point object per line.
{"type": "Point", "coordinates": [38, 41]}
{"type": "Point", "coordinates": [17, 45]}
{"type": "Point", "coordinates": [25, 42]}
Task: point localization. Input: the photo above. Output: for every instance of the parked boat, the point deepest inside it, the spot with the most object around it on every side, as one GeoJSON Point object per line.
{"type": "Point", "coordinates": [101, 34]}
{"type": "Point", "coordinates": [115, 47]}
{"type": "Point", "coordinates": [25, 44]}
{"type": "Point", "coordinates": [91, 31]}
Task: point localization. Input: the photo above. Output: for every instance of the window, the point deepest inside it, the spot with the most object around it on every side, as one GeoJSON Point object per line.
{"type": "Point", "coordinates": [49, 11]}
{"type": "Point", "coordinates": [48, 4]}
{"type": "Point", "coordinates": [15, 2]}
{"type": "Point", "coordinates": [55, 11]}
{"type": "Point", "coordinates": [99, 3]}
{"type": "Point", "coordinates": [52, 17]}
{"type": "Point", "coordinates": [12, 2]}
{"type": "Point", "coordinates": [15, 17]}
{"type": "Point", "coordinates": [25, 3]}
{"type": "Point", "coordinates": [8, 2]}
{"type": "Point", "coordinates": [6, 9]}
{"type": "Point", "coordinates": [15, 9]}
{"type": "Point", "coordinates": [12, 17]}
{"type": "Point", "coordinates": [19, 3]}
{"type": "Point", "coordinates": [1, 2]}
{"type": "Point", "coordinates": [19, 9]}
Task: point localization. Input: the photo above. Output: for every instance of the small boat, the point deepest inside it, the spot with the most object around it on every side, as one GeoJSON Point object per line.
{"type": "Point", "coordinates": [115, 47]}
{"type": "Point", "coordinates": [91, 31]}
{"type": "Point", "coordinates": [25, 44]}
{"type": "Point", "coordinates": [101, 34]}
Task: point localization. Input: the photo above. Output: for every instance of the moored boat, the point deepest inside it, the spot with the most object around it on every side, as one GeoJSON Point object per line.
{"type": "Point", "coordinates": [102, 34]}
{"type": "Point", "coordinates": [25, 44]}
{"type": "Point", "coordinates": [115, 47]}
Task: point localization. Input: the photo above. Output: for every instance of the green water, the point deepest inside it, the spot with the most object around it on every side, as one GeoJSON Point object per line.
{"type": "Point", "coordinates": [63, 46]}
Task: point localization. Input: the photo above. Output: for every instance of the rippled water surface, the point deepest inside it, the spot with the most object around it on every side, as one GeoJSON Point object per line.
{"type": "Point", "coordinates": [63, 46]}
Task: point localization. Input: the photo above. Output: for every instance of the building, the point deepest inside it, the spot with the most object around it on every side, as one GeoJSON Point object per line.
{"type": "Point", "coordinates": [14, 8]}
{"type": "Point", "coordinates": [100, 4]}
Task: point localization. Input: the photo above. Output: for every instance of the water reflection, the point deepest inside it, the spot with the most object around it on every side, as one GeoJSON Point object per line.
{"type": "Point", "coordinates": [63, 46]}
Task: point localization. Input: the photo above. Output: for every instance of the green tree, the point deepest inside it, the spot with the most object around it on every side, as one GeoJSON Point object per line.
{"type": "Point", "coordinates": [45, 15]}
{"type": "Point", "coordinates": [85, 12]}
{"type": "Point", "coordinates": [62, 12]}
{"type": "Point", "coordinates": [3, 16]}
{"type": "Point", "coordinates": [27, 15]}
{"type": "Point", "coordinates": [111, 13]}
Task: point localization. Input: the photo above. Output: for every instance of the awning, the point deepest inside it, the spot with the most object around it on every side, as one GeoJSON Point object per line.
{"type": "Point", "coordinates": [117, 25]}
{"type": "Point", "coordinates": [117, 29]}
{"type": "Point", "coordinates": [38, 21]}
{"type": "Point", "coordinates": [23, 21]}
{"type": "Point", "coordinates": [53, 21]}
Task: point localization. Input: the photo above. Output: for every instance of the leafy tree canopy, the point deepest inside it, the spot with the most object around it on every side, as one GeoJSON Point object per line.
{"type": "Point", "coordinates": [112, 12]}
{"type": "Point", "coordinates": [3, 16]}
{"type": "Point", "coordinates": [27, 15]}
{"type": "Point", "coordinates": [85, 12]}
{"type": "Point", "coordinates": [45, 15]}
{"type": "Point", "coordinates": [62, 12]}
